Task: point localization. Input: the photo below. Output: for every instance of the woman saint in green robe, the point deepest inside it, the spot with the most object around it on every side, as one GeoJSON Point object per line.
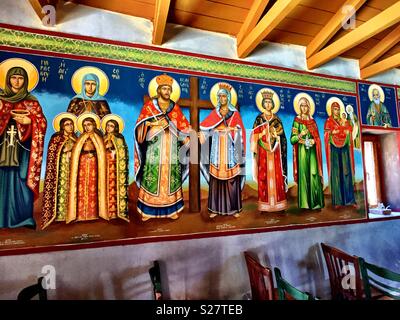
{"type": "Point", "coordinates": [307, 158]}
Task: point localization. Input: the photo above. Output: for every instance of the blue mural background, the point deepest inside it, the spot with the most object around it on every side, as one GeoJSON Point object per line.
{"type": "Point", "coordinates": [390, 102]}
{"type": "Point", "coordinates": [128, 86]}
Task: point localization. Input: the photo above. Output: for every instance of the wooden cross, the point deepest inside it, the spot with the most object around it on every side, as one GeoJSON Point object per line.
{"type": "Point", "coordinates": [194, 104]}
{"type": "Point", "coordinates": [12, 133]}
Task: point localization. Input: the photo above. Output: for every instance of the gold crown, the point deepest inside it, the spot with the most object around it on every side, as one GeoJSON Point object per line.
{"type": "Point", "coordinates": [266, 94]}
{"type": "Point", "coordinates": [226, 86]}
{"type": "Point", "coordinates": [164, 80]}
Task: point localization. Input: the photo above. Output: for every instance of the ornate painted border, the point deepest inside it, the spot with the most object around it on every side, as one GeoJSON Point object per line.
{"type": "Point", "coordinates": [65, 45]}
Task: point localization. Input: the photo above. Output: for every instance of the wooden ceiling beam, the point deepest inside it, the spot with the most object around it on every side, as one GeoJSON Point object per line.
{"type": "Point", "coordinates": [332, 27]}
{"type": "Point", "coordinates": [368, 29]}
{"type": "Point", "coordinates": [160, 20]}
{"type": "Point", "coordinates": [381, 48]}
{"type": "Point", "coordinates": [268, 23]}
{"type": "Point", "coordinates": [381, 66]}
{"type": "Point", "coordinates": [254, 15]}
{"type": "Point", "coordinates": [37, 5]}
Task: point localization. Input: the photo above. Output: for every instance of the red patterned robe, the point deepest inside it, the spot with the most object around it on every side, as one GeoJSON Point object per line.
{"type": "Point", "coordinates": [34, 132]}
{"type": "Point", "coordinates": [20, 178]}
{"type": "Point", "coordinates": [88, 182]}
{"type": "Point", "coordinates": [270, 164]}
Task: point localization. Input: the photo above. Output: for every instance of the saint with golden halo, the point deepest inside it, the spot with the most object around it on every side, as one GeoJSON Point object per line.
{"type": "Point", "coordinates": [117, 166]}
{"type": "Point", "coordinates": [269, 148]}
{"type": "Point", "coordinates": [378, 114]}
{"type": "Point", "coordinates": [87, 199]}
{"type": "Point", "coordinates": [222, 163]}
{"type": "Point", "coordinates": [161, 139]}
{"type": "Point", "coordinates": [58, 164]}
{"type": "Point", "coordinates": [90, 85]}
{"type": "Point", "coordinates": [307, 154]}
{"type": "Point", "coordinates": [339, 148]}
{"type": "Point", "coordinates": [22, 130]}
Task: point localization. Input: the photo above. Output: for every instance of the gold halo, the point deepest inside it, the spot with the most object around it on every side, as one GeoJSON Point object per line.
{"type": "Point", "coordinates": [31, 70]}
{"type": "Point", "coordinates": [112, 117]}
{"type": "Point", "coordinates": [86, 115]}
{"type": "Point", "coordinates": [214, 98]}
{"type": "Point", "coordinates": [329, 105]}
{"type": "Point", "coordinates": [176, 89]}
{"type": "Point", "coordinates": [76, 80]}
{"type": "Point", "coordinates": [275, 98]}
{"type": "Point", "coordinates": [309, 98]}
{"type": "Point", "coordinates": [379, 88]}
{"type": "Point", "coordinates": [63, 115]}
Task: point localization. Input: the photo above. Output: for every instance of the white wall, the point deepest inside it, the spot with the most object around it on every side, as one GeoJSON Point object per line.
{"type": "Point", "coordinates": [210, 268]}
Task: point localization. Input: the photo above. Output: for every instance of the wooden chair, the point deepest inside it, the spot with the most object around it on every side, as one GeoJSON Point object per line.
{"type": "Point", "coordinates": [372, 276]}
{"type": "Point", "coordinates": [155, 277]}
{"type": "Point", "coordinates": [30, 292]}
{"type": "Point", "coordinates": [286, 291]}
{"type": "Point", "coordinates": [261, 282]}
{"type": "Point", "coordinates": [339, 263]}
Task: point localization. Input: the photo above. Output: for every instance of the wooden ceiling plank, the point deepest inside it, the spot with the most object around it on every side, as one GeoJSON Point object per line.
{"type": "Point", "coordinates": [330, 6]}
{"type": "Point", "coordinates": [383, 46]}
{"type": "Point", "coordinates": [131, 7]}
{"type": "Point", "coordinates": [204, 22]}
{"type": "Point", "coordinates": [211, 9]}
{"type": "Point", "coordinates": [381, 66]}
{"type": "Point", "coordinates": [252, 18]}
{"type": "Point", "coordinates": [381, 4]}
{"type": "Point", "coordinates": [308, 14]}
{"type": "Point", "coordinates": [268, 23]}
{"type": "Point", "coordinates": [299, 27]}
{"type": "Point", "coordinates": [394, 50]}
{"type": "Point", "coordinates": [244, 4]}
{"type": "Point", "coordinates": [282, 36]}
{"type": "Point", "coordinates": [380, 22]}
{"type": "Point", "coordinates": [333, 26]}
{"type": "Point", "coordinates": [160, 20]}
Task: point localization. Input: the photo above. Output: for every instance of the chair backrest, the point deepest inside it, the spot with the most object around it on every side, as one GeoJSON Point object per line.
{"type": "Point", "coordinates": [372, 276]}
{"type": "Point", "coordinates": [30, 292]}
{"type": "Point", "coordinates": [261, 282]}
{"type": "Point", "coordinates": [155, 277]}
{"type": "Point", "coordinates": [344, 285]}
{"type": "Point", "coordinates": [286, 291]}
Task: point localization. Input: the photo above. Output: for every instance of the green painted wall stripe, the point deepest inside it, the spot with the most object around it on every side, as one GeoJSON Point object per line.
{"type": "Point", "coordinates": [21, 39]}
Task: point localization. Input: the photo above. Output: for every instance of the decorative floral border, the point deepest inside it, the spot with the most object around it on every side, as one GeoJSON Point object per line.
{"type": "Point", "coordinates": [64, 45]}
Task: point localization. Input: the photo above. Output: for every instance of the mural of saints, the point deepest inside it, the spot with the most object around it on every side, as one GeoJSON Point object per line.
{"type": "Point", "coordinates": [307, 154]}
{"type": "Point", "coordinates": [117, 166]}
{"type": "Point", "coordinates": [88, 182]}
{"type": "Point", "coordinates": [223, 136]}
{"type": "Point", "coordinates": [56, 183]}
{"type": "Point", "coordinates": [378, 114]}
{"type": "Point", "coordinates": [339, 149]}
{"type": "Point", "coordinates": [269, 147]}
{"type": "Point", "coordinates": [22, 129]}
{"type": "Point", "coordinates": [90, 85]}
{"type": "Point", "coordinates": [161, 138]}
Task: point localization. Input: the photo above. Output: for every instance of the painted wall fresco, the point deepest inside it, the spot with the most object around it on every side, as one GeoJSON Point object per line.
{"type": "Point", "coordinates": [378, 105]}
{"type": "Point", "coordinates": [97, 151]}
